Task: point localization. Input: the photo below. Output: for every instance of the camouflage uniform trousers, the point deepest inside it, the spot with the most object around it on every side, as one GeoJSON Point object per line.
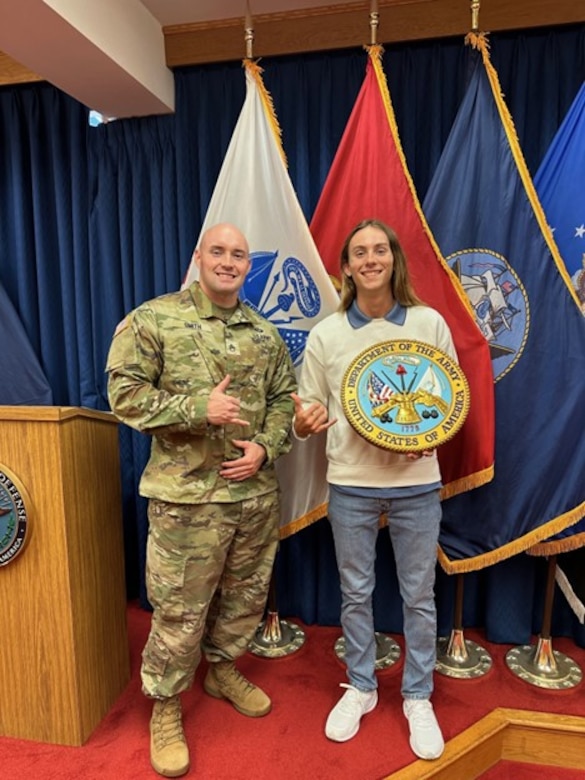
{"type": "Point", "coordinates": [208, 569]}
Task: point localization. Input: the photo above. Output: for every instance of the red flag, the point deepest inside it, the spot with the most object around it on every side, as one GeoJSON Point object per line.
{"type": "Point", "coordinates": [369, 179]}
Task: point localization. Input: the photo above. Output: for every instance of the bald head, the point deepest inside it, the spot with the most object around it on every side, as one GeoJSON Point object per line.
{"type": "Point", "coordinates": [223, 262]}
{"type": "Point", "coordinates": [223, 231]}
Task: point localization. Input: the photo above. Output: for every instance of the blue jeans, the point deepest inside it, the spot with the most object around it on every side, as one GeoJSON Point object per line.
{"type": "Point", "coordinates": [413, 524]}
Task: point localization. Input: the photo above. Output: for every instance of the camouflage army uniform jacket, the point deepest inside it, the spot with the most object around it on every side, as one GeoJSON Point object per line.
{"type": "Point", "coordinates": [165, 358]}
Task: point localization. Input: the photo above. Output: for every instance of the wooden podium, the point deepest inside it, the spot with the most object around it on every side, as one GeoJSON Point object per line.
{"type": "Point", "coordinates": [64, 655]}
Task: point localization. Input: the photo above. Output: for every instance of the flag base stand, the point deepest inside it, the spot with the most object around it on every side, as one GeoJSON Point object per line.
{"type": "Point", "coordinates": [387, 651]}
{"type": "Point", "coordinates": [542, 666]}
{"type": "Point", "coordinates": [460, 657]}
{"type": "Point", "coordinates": [275, 638]}
{"type": "Point", "coordinates": [457, 656]}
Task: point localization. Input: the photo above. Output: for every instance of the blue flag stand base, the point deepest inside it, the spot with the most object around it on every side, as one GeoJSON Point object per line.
{"type": "Point", "coordinates": [276, 638]}
{"type": "Point", "coordinates": [540, 665]}
{"type": "Point", "coordinates": [457, 656]}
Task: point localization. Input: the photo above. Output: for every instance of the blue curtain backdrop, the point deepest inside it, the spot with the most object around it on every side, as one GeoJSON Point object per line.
{"type": "Point", "coordinates": [93, 221]}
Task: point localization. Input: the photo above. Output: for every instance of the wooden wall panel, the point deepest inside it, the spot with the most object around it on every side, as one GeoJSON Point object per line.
{"type": "Point", "coordinates": [12, 72]}
{"type": "Point", "coordinates": [337, 27]}
{"type": "Point", "coordinates": [340, 27]}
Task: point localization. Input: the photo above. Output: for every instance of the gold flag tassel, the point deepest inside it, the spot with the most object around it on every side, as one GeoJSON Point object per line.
{"type": "Point", "coordinates": [255, 72]}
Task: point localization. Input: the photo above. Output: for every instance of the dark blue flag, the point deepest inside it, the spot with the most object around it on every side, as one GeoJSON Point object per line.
{"type": "Point", "coordinates": [489, 224]}
{"type": "Point", "coordinates": [560, 183]}
{"type": "Point", "coordinates": [22, 380]}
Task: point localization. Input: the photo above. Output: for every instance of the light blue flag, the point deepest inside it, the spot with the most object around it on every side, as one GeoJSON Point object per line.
{"type": "Point", "coordinates": [483, 210]}
{"type": "Point", "coordinates": [560, 183]}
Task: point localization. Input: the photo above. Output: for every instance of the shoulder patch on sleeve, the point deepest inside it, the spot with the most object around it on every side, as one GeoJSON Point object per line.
{"type": "Point", "coordinates": [122, 325]}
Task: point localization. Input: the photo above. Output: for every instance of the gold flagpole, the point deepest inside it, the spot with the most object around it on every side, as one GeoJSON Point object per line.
{"type": "Point", "coordinates": [456, 655]}
{"type": "Point", "coordinates": [274, 637]}
{"type": "Point", "coordinates": [374, 19]}
{"type": "Point", "coordinates": [248, 32]}
{"type": "Point", "coordinates": [387, 649]}
{"type": "Point", "coordinates": [475, 15]}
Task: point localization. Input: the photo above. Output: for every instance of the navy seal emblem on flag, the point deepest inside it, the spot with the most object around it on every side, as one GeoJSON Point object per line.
{"type": "Point", "coordinates": [14, 519]}
{"type": "Point", "coordinates": [499, 302]}
{"type": "Point", "coordinates": [405, 396]}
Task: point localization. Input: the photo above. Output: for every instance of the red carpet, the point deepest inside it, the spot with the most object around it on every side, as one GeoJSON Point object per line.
{"type": "Point", "coordinates": [289, 743]}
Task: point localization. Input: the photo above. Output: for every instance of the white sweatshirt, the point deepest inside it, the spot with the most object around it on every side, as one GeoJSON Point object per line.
{"type": "Point", "coordinates": [332, 345]}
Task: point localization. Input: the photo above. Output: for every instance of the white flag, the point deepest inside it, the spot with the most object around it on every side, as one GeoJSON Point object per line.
{"type": "Point", "coordinates": [287, 284]}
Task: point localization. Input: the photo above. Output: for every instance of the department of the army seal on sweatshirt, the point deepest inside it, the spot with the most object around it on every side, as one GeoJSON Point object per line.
{"type": "Point", "coordinates": [405, 396]}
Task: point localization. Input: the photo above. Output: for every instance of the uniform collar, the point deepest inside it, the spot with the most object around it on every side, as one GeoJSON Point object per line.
{"type": "Point", "coordinates": [207, 309]}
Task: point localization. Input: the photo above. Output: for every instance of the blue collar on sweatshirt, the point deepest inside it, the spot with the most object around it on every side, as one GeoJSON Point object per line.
{"type": "Point", "coordinates": [357, 319]}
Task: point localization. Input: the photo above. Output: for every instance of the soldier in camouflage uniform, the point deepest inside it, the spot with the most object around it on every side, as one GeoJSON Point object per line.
{"type": "Point", "coordinates": [211, 381]}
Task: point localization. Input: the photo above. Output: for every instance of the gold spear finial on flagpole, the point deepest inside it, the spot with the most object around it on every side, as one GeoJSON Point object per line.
{"type": "Point", "coordinates": [248, 31]}
{"type": "Point", "coordinates": [374, 19]}
{"type": "Point", "coordinates": [475, 15]}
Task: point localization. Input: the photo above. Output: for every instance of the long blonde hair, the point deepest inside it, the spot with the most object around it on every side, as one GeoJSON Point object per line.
{"type": "Point", "coordinates": [400, 283]}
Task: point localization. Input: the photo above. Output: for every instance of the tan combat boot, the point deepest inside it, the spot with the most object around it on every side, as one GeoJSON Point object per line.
{"type": "Point", "coordinates": [169, 754]}
{"type": "Point", "coordinates": [224, 681]}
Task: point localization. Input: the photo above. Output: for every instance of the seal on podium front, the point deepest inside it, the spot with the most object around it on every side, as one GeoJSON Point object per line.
{"type": "Point", "coordinates": [14, 517]}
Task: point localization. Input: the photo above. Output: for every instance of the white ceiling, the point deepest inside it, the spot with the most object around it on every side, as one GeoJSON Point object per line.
{"type": "Point", "coordinates": [110, 54]}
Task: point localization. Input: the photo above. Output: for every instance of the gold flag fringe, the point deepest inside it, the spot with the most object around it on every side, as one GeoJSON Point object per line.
{"type": "Point", "coordinates": [256, 71]}
{"type": "Point", "coordinates": [318, 513]}
{"type": "Point", "coordinates": [522, 544]}
{"type": "Point", "coordinates": [468, 482]}
{"type": "Point", "coordinates": [559, 545]}
{"type": "Point", "coordinates": [480, 42]}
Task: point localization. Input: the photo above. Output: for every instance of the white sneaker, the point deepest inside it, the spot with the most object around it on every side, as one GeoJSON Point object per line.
{"type": "Point", "coordinates": [426, 739]}
{"type": "Point", "coordinates": [344, 719]}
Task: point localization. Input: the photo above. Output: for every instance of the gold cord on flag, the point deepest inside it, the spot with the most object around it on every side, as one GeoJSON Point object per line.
{"type": "Point", "coordinates": [255, 72]}
{"type": "Point", "coordinates": [375, 54]}
{"type": "Point", "coordinates": [479, 41]}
